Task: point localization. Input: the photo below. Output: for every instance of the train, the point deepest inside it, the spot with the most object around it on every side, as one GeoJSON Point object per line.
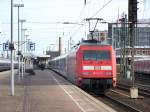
{"type": "Point", "coordinates": [5, 64]}
{"type": "Point", "coordinates": [142, 65]}
{"type": "Point", "coordinates": [89, 64]}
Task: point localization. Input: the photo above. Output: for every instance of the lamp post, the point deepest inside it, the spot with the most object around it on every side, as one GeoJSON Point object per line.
{"type": "Point", "coordinates": [25, 45]}
{"type": "Point", "coordinates": [23, 39]}
{"type": "Point", "coordinates": [22, 29]}
{"type": "Point", "coordinates": [28, 40]}
{"type": "Point", "coordinates": [25, 50]}
{"type": "Point", "coordinates": [11, 48]}
{"type": "Point", "coordinates": [19, 53]}
{"type": "Point", "coordinates": [22, 42]}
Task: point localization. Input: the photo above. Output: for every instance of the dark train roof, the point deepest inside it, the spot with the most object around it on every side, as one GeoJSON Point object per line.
{"type": "Point", "coordinates": [90, 42]}
{"type": "Point", "coordinates": [84, 42]}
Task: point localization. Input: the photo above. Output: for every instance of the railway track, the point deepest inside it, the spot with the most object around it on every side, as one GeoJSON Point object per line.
{"type": "Point", "coordinates": [3, 70]}
{"type": "Point", "coordinates": [114, 102]}
{"type": "Point", "coordinates": [142, 78]}
{"type": "Point", "coordinates": [126, 106]}
{"type": "Point", "coordinates": [142, 90]}
{"type": "Point", "coordinates": [117, 104]}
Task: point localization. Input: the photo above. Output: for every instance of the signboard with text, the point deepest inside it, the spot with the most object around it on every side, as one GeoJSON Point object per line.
{"type": "Point", "coordinates": [31, 46]}
{"type": "Point", "coordinates": [5, 46]}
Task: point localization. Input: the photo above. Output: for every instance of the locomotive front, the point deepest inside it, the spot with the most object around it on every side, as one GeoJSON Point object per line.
{"type": "Point", "coordinates": [96, 66]}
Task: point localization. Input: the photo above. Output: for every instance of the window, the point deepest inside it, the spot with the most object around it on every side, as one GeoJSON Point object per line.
{"type": "Point", "coordinates": [96, 55]}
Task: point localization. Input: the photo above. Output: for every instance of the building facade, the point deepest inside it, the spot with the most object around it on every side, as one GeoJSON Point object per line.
{"type": "Point", "coordinates": [119, 38]}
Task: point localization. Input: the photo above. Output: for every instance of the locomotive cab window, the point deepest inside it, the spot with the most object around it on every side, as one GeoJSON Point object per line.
{"type": "Point", "coordinates": [96, 55]}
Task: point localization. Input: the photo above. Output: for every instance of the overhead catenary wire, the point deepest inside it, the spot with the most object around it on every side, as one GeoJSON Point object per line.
{"type": "Point", "coordinates": [41, 22]}
{"type": "Point", "coordinates": [74, 33]}
{"type": "Point", "coordinates": [96, 12]}
{"type": "Point", "coordinates": [88, 2]}
{"type": "Point", "coordinates": [81, 13]}
{"type": "Point", "coordinates": [101, 8]}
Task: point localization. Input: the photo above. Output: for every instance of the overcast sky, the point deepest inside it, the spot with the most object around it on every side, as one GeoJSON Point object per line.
{"type": "Point", "coordinates": [44, 18]}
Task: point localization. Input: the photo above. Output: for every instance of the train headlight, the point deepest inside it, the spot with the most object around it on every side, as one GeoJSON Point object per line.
{"type": "Point", "coordinates": [88, 67]}
{"type": "Point", "coordinates": [106, 67]}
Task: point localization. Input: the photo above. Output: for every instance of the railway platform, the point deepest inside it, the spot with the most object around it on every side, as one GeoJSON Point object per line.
{"type": "Point", "coordinates": [46, 92]}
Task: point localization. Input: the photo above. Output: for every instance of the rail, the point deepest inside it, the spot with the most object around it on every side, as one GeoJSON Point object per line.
{"type": "Point", "coordinates": [123, 104]}
{"type": "Point", "coordinates": [142, 91]}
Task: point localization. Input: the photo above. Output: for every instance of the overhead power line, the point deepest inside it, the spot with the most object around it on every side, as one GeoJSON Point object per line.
{"type": "Point", "coordinates": [101, 8]}
{"type": "Point", "coordinates": [40, 22]}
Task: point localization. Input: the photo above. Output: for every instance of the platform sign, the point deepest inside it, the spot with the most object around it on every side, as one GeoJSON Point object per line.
{"type": "Point", "coordinates": [5, 46]}
{"type": "Point", "coordinates": [31, 46]}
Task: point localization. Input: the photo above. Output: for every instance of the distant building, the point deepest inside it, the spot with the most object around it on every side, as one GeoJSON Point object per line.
{"type": "Point", "coordinates": [43, 59]}
{"type": "Point", "coordinates": [53, 54]}
{"type": "Point", "coordinates": [119, 38]}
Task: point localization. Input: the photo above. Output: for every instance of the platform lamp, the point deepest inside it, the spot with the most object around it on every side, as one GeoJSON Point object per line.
{"type": "Point", "coordinates": [19, 52]}
{"type": "Point", "coordinates": [11, 38]}
{"type": "Point", "coordinates": [22, 42]}
{"type": "Point", "coordinates": [25, 50]}
{"type": "Point", "coordinates": [23, 38]}
{"type": "Point", "coordinates": [25, 45]}
{"type": "Point", "coordinates": [22, 30]}
{"type": "Point", "coordinates": [11, 48]}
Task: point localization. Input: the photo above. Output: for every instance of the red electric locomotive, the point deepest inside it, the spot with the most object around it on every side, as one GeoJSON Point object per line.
{"type": "Point", "coordinates": [89, 64]}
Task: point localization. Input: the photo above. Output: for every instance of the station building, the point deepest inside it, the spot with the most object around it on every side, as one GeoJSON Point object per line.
{"type": "Point", "coordinates": [119, 38]}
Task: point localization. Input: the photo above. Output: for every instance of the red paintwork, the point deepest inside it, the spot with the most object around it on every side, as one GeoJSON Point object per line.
{"type": "Point", "coordinates": [75, 64]}
{"type": "Point", "coordinates": [142, 66]}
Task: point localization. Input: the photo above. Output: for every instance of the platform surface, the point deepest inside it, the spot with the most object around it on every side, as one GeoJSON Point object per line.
{"type": "Point", "coordinates": [46, 92]}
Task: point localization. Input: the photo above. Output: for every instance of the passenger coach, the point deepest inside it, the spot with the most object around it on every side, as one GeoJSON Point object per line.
{"type": "Point", "coordinates": [89, 64]}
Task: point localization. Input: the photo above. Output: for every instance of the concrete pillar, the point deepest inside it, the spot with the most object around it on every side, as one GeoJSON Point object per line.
{"type": "Point", "coordinates": [134, 92]}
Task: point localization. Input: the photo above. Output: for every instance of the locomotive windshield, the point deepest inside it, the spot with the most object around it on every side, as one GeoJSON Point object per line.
{"type": "Point", "coordinates": [96, 55]}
